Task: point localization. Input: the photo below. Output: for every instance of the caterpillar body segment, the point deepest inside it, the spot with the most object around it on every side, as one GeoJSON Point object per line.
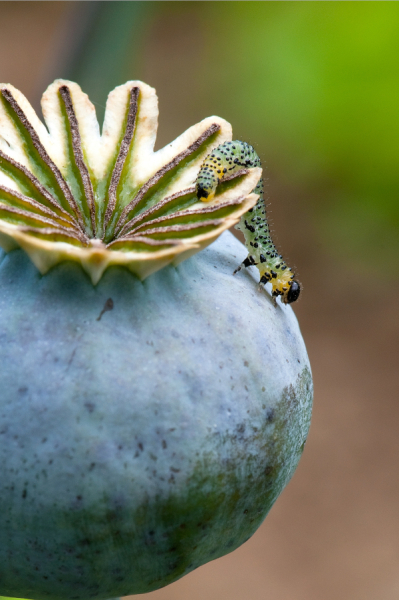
{"type": "Point", "coordinates": [226, 159]}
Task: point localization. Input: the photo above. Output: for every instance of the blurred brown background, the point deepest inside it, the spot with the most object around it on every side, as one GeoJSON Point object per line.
{"type": "Point", "coordinates": [315, 88]}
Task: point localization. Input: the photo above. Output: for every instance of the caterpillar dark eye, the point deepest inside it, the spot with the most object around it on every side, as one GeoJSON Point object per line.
{"type": "Point", "coordinates": [201, 192]}
{"type": "Point", "coordinates": [231, 157]}
{"type": "Point", "coordinates": [293, 292]}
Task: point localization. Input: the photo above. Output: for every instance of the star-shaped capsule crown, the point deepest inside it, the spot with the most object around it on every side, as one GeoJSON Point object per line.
{"type": "Point", "coordinates": [68, 192]}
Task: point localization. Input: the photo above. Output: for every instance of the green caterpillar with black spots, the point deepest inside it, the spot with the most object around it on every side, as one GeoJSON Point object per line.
{"type": "Point", "coordinates": [227, 159]}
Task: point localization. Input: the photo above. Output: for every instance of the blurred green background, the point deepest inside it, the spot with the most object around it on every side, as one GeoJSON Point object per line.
{"type": "Point", "coordinates": [314, 86]}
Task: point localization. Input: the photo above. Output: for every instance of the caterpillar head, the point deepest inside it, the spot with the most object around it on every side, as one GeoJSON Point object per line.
{"type": "Point", "coordinates": [205, 194]}
{"type": "Point", "coordinates": [293, 293]}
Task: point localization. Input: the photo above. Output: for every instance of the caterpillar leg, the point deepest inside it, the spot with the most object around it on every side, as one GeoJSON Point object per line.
{"type": "Point", "coordinates": [263, 280]}
{"type": "Point", "coordinates": [248, 262]}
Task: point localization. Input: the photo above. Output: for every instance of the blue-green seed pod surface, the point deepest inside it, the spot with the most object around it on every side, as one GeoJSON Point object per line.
{"type": "Point", "coordinates": [146, 427]}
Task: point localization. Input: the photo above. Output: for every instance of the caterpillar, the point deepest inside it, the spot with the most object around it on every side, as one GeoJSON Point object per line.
{"type": "Point", "coordinates": [226, 159]}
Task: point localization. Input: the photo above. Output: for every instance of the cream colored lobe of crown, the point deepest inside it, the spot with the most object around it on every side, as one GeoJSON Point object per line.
{"type": "Point", "coordinates": [144, 184]}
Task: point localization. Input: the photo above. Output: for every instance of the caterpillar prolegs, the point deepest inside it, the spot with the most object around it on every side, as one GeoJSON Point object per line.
{"type": "Point", "coordinates": [226, 159]}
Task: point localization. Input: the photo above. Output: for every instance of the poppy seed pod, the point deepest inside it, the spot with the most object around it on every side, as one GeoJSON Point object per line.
{"type": "Point", "coordinates": [147, 424]}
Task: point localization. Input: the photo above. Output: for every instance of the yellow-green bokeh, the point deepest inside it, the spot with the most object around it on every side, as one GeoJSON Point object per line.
{"type": "Point", "coordinates": [313, 85]}
{"type": "Point", "coordinates": [316, 85]}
